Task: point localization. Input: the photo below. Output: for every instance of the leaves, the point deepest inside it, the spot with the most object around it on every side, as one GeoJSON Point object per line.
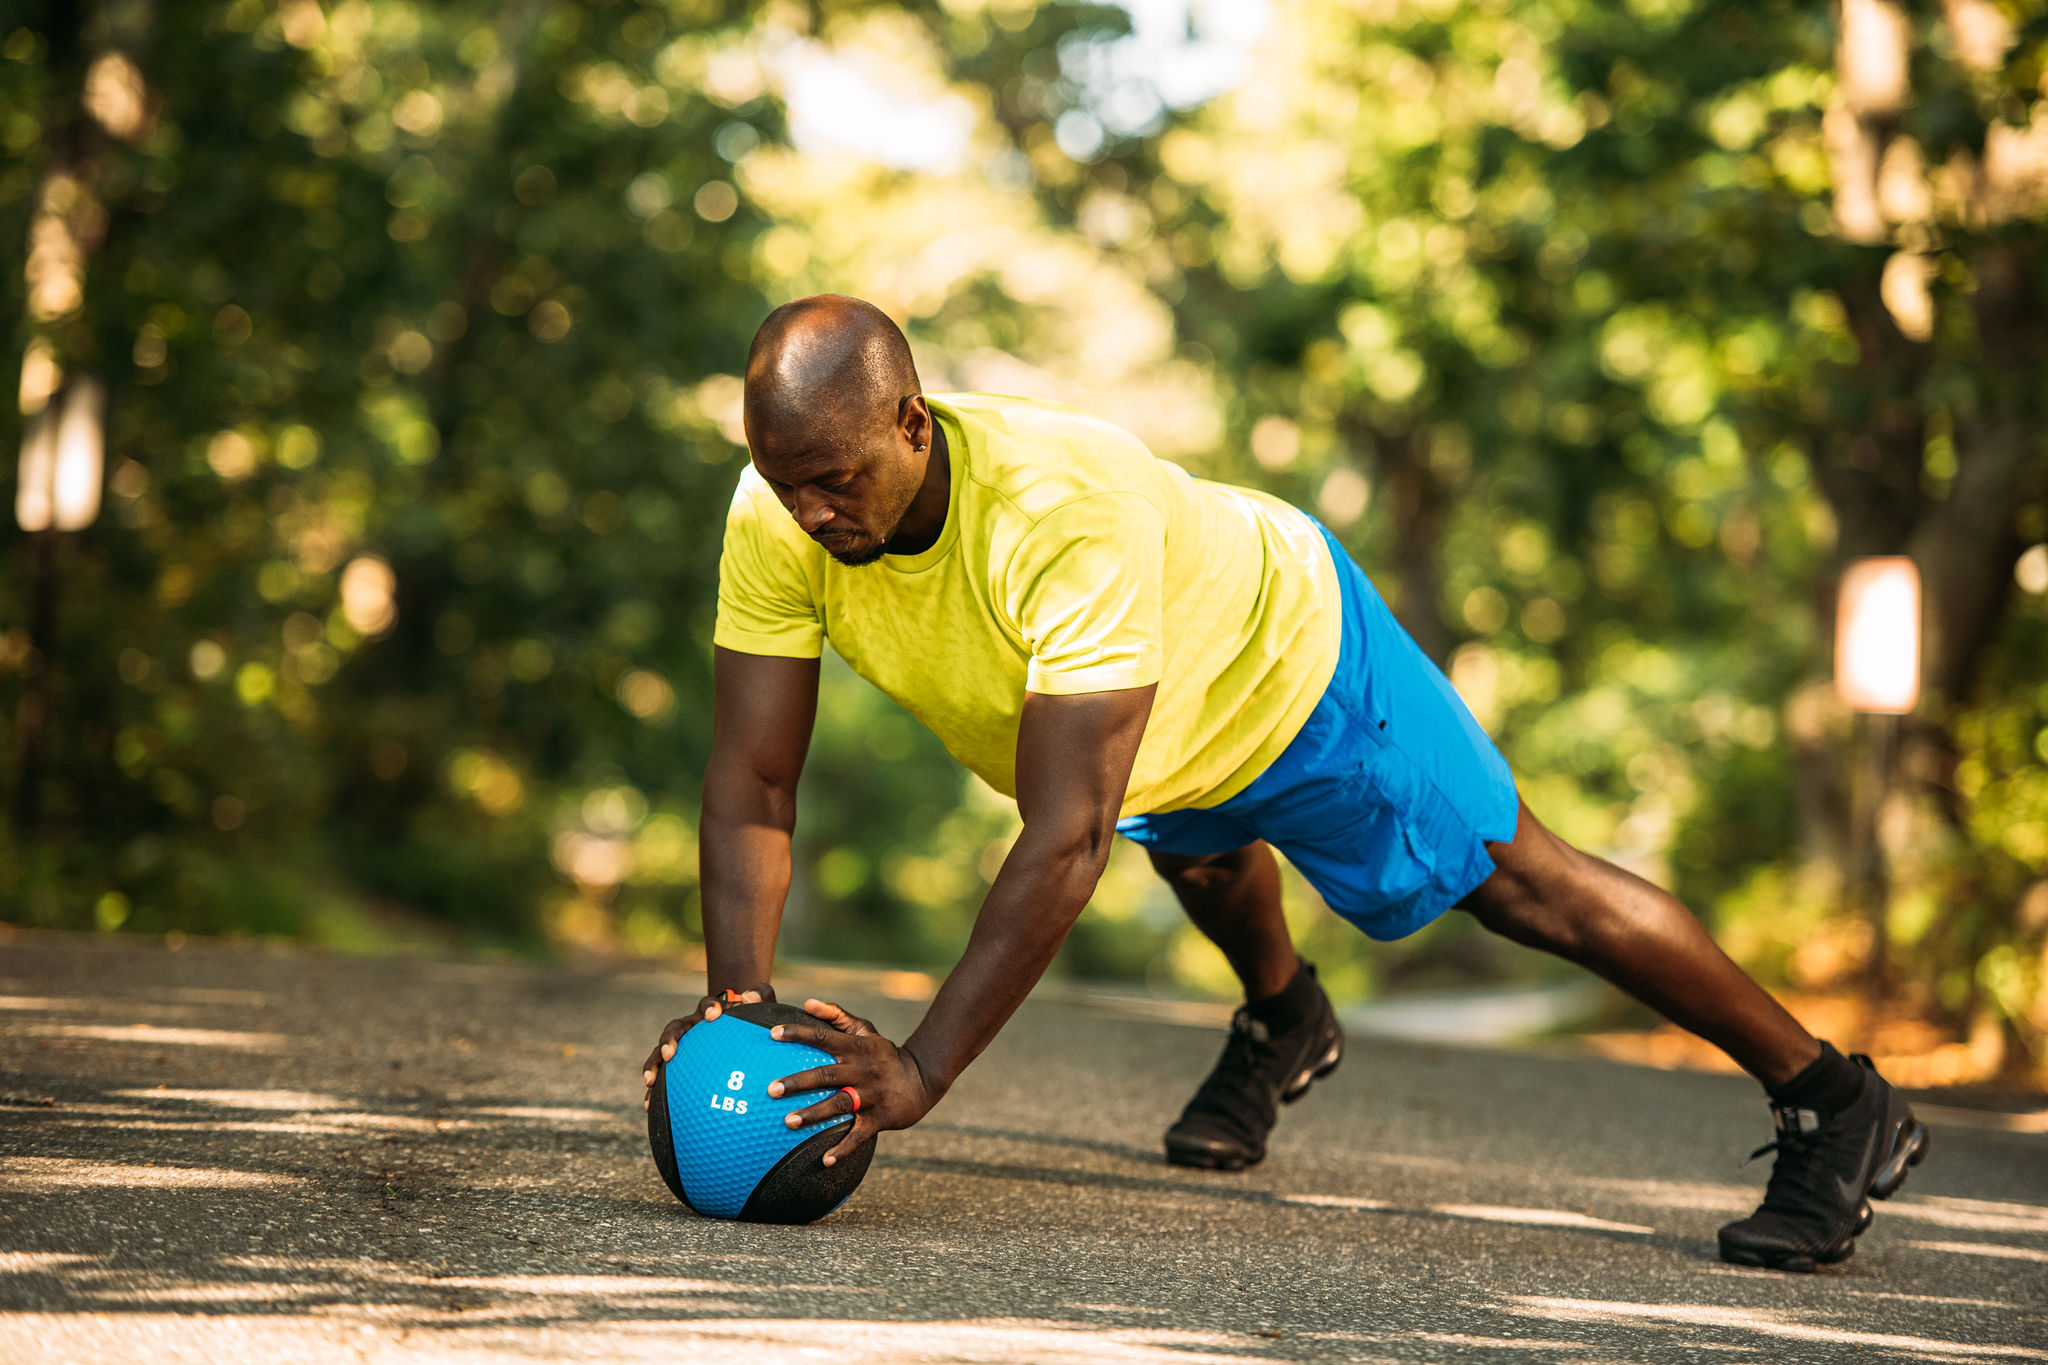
{"type": "Point", "coordinates": [421, 325]}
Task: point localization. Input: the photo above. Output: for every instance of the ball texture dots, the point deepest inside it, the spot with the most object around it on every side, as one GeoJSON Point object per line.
{"type": "Point", "coordinates": [719, 1140]}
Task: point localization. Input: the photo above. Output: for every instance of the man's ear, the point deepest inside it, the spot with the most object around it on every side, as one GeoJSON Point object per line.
{"type": "Point", "coordinates": [916, 421]}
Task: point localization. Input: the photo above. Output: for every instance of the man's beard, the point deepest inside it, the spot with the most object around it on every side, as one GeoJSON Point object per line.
{"type": "Point", "coordinates": [860, 558]}
{"type": "Point", "coordinates": [857, 559]}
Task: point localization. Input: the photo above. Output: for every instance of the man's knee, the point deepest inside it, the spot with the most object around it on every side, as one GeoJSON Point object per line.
{"type": "Point", "coordinates": [1534, 896]}
{"type": "Point", "coordinates": [1515, 910]}
{"type": "Point", "coordinates": [1202, 872]}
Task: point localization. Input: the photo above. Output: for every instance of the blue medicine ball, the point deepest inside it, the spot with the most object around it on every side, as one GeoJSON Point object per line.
{"type": "Point", "coordinates": [720, 1141]}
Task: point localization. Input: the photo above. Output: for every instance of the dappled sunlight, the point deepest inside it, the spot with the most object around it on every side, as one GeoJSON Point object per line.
{"type": "Point", "coordinates": [1941, 1300]}
{"type": "Point", "coordinates": [770, 1341]}
{"type": "Point", "coordinates": [155, 1035]}
{"type": "Point", "coordinates": [1975, 1215]}
{"type": "Point", "coordinates": [36, 1174]}
{"type": "Point", "coordinates": [984, 1339]}
{"type": "Point", "coordinates": [1775, 1323]}
{"type": "Point", "coordinates": [1982, 1215]}
{"type": "Point", "coordinates": [194, 1111]}
{"type": "Point", "coordinates": [1984, 1249]}
{"type": "Point", "coordinates": [1499, 1343]}
{"type": "Point", "coordinates": [424, 1200]}
{"type": "Point", "coordinates": [1558, 1218]}
{"type": "Point", "coordinates": [294, 1100]}
{"type": "Point", "coordinates": [546, 1113]}
{"type": "Point", "coordinates": [214, 995]}
{"type": "Point", "coordinates": [1677, 1194]}
{"type": "Point", "coordinates": [1336, 1201]}
{"type": "Point", "coordinates": [1482, 1213]}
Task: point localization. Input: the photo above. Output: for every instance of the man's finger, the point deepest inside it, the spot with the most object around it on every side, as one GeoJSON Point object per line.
{"type": "Point", "coordinates": [817, 1078]}
{"type": "Point", "coordinates": [836, 1105]}
{"type": "Point", "coordinates": [837, 1017]}
{"type": "Point", "coordinates": [860, 1132]}
{"type": "Point", "coordinates": [824, 1039]}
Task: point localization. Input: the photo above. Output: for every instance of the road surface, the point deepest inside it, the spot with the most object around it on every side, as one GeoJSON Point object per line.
{"type": "Point", "coordinates": [227, 1154]}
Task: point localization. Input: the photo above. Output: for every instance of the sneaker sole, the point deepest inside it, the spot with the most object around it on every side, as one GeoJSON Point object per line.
{"type": "Point", "coordinates": [1908, 1151]}
{"type": "Point", "coordinates": [1202, 1159]}
{"type": "Point", "coordinates": [1310, 1075]}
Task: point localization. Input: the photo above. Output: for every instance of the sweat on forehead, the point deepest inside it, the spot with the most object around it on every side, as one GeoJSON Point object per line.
{"type": "Point", "coordinates": [827, 358]}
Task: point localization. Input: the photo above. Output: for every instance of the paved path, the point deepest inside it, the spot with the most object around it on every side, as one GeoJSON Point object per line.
{"type": "Point", "coordinates": [224, 1154]}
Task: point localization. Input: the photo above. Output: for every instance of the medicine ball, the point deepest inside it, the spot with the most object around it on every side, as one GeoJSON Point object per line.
{"type": "Point", "coordinates": [719, 1139]}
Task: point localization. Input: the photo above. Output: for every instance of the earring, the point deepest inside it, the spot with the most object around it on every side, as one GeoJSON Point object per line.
{"type": "Point", "coordinates": [920, 450]}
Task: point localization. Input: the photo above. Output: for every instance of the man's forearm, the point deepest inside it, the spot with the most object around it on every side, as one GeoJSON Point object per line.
{"type": "Point", "coordinates": [744, 861]}
{"type": "Point", "coordinates": [1043, 887]}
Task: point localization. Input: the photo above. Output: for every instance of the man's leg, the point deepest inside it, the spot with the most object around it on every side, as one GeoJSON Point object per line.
{"type": "Point", "coordinates": [1549, 895]}
{"type": "Point", "coordinates": [1234, 899]}
{"type": "Point", "coordinates": [1286, 1035]}
{"type": "Point", "coordinates": [1844, 1135]}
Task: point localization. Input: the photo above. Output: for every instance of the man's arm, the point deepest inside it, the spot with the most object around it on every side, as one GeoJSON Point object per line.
{"type": "Point", "coordinates": [760, 732]}
{"type": "Point", "coordinates": [761, 729]}
{"type": "Point", "coordinates": [1074, 757]}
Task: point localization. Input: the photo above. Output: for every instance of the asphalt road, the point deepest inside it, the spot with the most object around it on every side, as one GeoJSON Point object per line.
{"type": "Point", "coordinates": [222, 1154]}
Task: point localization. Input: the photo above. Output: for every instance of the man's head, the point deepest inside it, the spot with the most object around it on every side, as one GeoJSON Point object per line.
{"type": "Point", "coordinates": [836, 422]}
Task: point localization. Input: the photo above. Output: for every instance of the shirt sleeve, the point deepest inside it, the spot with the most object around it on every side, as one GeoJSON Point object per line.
{"type": "Point", "coordinates": [765, 602]}
{"type": "Point", "coordinates": [1084, 589]}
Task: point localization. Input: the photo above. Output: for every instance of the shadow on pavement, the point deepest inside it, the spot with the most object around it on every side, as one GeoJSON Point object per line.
{"type": "Point", "coordinates": [223, 1155]}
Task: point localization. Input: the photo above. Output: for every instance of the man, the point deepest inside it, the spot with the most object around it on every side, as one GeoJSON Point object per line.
{"type": "Point", "coordinates": [1202, 668]}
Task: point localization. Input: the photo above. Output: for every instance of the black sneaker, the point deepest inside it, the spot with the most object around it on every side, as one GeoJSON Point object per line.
{"type": "Point", "coordinates": [1817, 1203]}
{"type": "Point", "coordinates": [1224, 1126]}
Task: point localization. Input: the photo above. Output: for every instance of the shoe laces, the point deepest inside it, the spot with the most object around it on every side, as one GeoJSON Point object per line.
{"type": "Point", "coordinates": [1250, 1043]}
{"type": "Point", "coordinates": [1248, 1034]}
{"type": "Point", "coordinates": [1798, 1179]}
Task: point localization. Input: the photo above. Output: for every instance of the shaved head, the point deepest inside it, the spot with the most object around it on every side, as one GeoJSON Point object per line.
{"type": "Point", "coordinates": [827, 359]}
{"type": "Point", "coordinates": [838, 426]}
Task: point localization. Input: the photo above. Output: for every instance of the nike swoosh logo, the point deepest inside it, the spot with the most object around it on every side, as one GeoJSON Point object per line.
{"type": "Point", "coordinates": [1854, 1190]}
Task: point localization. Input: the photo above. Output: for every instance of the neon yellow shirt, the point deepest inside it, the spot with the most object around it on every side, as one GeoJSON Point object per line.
{"type": "Point", "coordinates": [1072, 560]}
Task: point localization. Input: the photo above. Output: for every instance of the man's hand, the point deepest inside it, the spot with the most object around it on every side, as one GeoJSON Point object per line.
{"type": "Point", "coordinates": [887, 1078]}
{"type": "Point", "coordinates": [709, 1008]}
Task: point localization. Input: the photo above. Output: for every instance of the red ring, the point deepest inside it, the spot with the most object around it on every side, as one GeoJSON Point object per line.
{"type": "Point", "coordinates": [849, 1090]}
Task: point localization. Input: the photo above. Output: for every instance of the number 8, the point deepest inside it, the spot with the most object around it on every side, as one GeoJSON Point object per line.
{"type": "Point", "coordinates": [737, 1080]}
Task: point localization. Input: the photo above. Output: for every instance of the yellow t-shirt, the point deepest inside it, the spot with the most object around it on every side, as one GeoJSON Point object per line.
{"type": "Point", "coordinates": [1072, 560]}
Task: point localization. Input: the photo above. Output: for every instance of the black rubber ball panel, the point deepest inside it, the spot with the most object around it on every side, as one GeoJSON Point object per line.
{"type": "Point", "coordinates": [801, 1188]}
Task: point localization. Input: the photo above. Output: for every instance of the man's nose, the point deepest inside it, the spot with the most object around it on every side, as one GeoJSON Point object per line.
{"type": "Point", "coordinates": [810, 512]}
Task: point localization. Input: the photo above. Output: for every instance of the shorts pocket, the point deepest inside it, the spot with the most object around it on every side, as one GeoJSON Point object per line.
{"type": "Point", "coordinates": [1354, 839]}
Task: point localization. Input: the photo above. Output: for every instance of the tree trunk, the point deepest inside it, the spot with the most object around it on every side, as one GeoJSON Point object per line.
{"type": "Point", "coordinates": [61, 238]}
{"type": "Point", "coordinates": [1967, 542]}
{"type": "Point", "coordinates": [1418, 502]}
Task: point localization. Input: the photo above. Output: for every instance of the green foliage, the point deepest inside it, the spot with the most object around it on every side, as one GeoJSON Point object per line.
{"type": "Point", "coordinates": [412, 285]}
{"type": "Point", "coordinates": [1541, 303]}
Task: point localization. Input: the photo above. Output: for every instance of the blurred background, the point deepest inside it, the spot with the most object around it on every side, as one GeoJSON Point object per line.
{"type": "Point", "coordinates": [378, 411]}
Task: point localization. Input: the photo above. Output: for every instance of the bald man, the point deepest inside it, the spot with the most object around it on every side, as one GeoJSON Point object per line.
{"type": "Point", "coordinates": [1126, 649]}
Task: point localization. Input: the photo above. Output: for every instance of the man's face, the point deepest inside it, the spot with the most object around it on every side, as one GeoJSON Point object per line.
{"type": "Point", "coordinates": [846, 490]}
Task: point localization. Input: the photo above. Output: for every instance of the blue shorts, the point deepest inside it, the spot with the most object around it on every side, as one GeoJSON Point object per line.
{"type": "Point", "coordinates": [1387, 796]}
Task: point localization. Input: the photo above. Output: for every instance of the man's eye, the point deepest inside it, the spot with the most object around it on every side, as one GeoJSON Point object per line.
{"type": "Point", "coordinates": [838, 486]}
